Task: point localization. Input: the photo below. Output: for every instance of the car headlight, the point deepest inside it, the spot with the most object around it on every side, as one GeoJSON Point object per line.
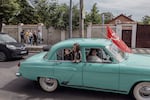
{"type": "Point", "coordinates": [11, 46]}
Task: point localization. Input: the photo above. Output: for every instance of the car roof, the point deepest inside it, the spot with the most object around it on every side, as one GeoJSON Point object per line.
{"type": "Point", "coordinates": [83, 42]}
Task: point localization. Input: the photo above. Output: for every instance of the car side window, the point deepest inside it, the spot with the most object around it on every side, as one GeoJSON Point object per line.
{"type": "Point", "coordinates": [64, 54]}
{"type": "Point", "coordinates": [97, 55]}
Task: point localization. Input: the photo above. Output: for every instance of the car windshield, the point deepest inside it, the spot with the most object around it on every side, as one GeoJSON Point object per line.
{"type": "Point", "coordinates": [6, 38]}
{"type": "Point", "coordinates": [116, 52]}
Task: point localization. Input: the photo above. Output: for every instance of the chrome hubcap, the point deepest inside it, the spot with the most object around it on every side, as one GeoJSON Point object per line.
{"type": "Point", "coordinates": [145, 92]}
{"type": "Point", "coordinates": [49, 82]}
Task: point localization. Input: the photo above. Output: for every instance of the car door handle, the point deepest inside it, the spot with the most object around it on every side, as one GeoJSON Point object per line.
{"type": "Point", "coordinates": [89, 64]}
{"type": "Point", "coordinates": [58, 63]}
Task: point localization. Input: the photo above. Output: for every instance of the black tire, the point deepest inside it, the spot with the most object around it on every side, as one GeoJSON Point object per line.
{"type": "Point", "coordinates": [142, 91]}
{"type": "Point", "coordinates": [48, 84]}
{"type": "Point", "coordinates": [2, 56]}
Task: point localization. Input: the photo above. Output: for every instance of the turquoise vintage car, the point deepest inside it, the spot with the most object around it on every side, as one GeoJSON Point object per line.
{"type": "Point", "coordinates": [117, 71]}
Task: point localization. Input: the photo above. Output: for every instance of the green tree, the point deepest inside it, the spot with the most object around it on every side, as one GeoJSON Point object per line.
{"type": "Point", "coordinates": [108, 16]}
{"type": "Point", "coordinates": [52, 14]}
{"type": "Point", "coordinates": [146, 19]}
{"type": "Point", "coordinates": [61, 20]}
{"type": "Point", "coordinates": [47, 11]}
{"type": "Point", "coordinates": [75, 17]}
{"type": "Point", "coordinates": [8, 9]}
{"type": "Point", "coordinates": [94, 16]}
{"type": "Point", "coordinates": [26, 15]}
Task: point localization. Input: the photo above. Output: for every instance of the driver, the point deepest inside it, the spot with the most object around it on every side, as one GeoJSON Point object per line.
{"type": "Point", "coordinates": [93, 56]}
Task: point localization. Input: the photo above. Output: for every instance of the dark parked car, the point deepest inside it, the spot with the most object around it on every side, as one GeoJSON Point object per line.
{"type": "Point", "coordinates": [10, 48]}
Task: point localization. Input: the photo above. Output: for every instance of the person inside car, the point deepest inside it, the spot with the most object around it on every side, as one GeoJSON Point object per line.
{"type": "Point", "coordinates": [76, 53]}
{"type": "Point", "coordinates": [67, 54]}
{"type": "Point", "coordinates": [92, 57]}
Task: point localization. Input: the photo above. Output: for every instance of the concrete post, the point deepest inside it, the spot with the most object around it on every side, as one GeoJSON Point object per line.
{"type": "Point", "coordinates": [89, 30]}
{"type": "Point", "coordinates": [133, 41]}
{"type": "Point", "coordinates": [119, 30]}
{"type": "Point", "coordinates": [19, 31]}
{"type": "Point", "coordinates": [62, 35]}
{"type": "Point", "coordinates": [40, 27]}
{"type": "Point", "coordinates": [3, 27]}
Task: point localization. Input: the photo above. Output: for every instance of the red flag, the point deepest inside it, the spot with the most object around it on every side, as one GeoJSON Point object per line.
{"type": "Point", "coordinates": [118, 42]}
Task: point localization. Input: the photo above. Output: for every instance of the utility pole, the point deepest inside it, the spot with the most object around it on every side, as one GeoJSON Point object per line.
{"type": "Point", "coordinates": [70, 20]}
{"type": "Point", "coordinates": [81, 28]}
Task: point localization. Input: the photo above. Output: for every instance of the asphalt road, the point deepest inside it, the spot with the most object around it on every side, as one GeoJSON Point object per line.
{"type": "Point", "coordinates": [14, 88]}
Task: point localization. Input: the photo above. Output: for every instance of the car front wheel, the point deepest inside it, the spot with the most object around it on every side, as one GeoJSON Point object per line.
{"type": "Point", "coordinates": [2, 56]}
{"type": "Point", "coordinates": [48, 84]}
{"type": "Point", "coordinates": [142, 91]}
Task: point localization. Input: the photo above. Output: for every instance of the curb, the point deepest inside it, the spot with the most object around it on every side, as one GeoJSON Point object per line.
{"type": "Point", "coordinates": [34, 49]}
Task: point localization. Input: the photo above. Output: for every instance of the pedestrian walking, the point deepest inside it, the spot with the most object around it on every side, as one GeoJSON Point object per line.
{"type": "Point", "coordinates": [27, 37]}
{"type": "Point", "coordinates": [22, 36]}
{"type": "Point", "coordinates": [30, 37]}
{"type": "Point", "coordinates": [35, 38]}
{"type": "Point", "coordinates": [39, 33]}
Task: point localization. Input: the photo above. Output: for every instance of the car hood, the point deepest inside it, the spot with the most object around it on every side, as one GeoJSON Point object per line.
{"type": "Point", "coordinates": [16, 44]}
{"type": "Point", "coordinates": [138, 60]}
{"type": "Point", "coordinates": [36, 58]}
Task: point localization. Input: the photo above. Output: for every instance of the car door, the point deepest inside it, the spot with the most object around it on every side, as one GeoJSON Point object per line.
{"type": "Point", "coordinates": [67, 72]}
{"type": "Point", "coordinates": [103, 75]}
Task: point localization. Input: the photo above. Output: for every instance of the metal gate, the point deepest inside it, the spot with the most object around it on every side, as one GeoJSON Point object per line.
{"type": "Point", "coordinates": [126, 37]}
{"type": "Point", "coordinates": [143, 36]}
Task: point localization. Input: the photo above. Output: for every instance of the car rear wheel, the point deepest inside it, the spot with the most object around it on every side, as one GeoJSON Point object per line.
{"type": "Point", "coordinates": [2, 56]}
{"type": "Point", "coordinates": [48, 84]}
{"type": "Point", "coordinates": [142, 91]}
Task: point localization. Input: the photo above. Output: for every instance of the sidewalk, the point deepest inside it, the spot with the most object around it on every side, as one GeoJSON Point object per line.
{"type": "Point", "coordinates": [35, 48]}
{"type": "Point", "coordinates": [141, 50]}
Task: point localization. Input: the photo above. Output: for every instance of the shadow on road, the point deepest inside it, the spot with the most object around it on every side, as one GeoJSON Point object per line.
{"type": "Point", "coordinates": [32, 89]}
{"type": "Point", "coordinates": [14, 62]}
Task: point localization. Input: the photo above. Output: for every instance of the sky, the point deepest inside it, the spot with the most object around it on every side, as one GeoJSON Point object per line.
{"type": "Point", "coordinates": [136, 8]}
